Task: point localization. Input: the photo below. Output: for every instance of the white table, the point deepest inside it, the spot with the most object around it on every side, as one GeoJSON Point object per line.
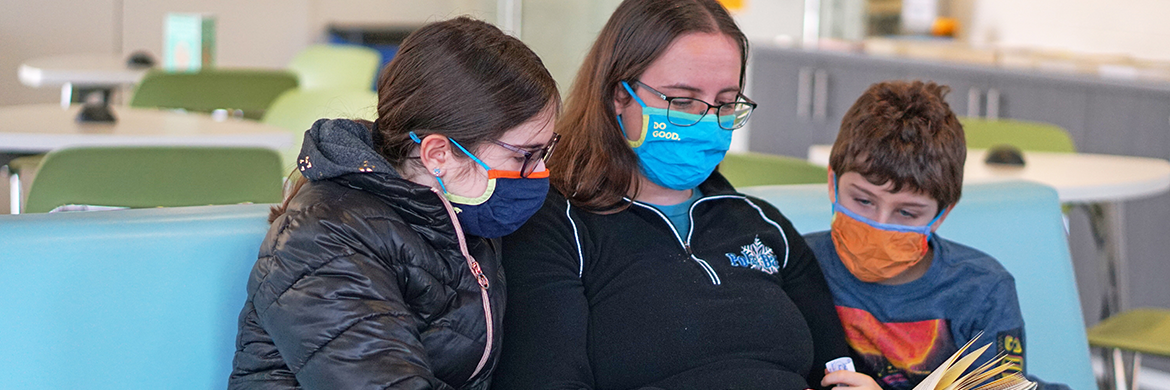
{"type": "Point", "coordinates": [102, 71]}
{"type": "Point", "coordinates": [40, 128]}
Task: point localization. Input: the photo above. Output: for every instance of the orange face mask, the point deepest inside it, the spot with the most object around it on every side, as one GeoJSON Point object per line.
{"type": "Point", "coordinates": [873, 251]}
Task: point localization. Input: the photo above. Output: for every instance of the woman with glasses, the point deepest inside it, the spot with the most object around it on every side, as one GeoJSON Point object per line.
{"type": "Point", "coordinates": [381, 268]}
{"type": "Point", "coordinates": [645, 268]}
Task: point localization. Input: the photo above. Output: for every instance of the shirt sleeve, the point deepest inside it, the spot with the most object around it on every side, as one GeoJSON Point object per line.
{"type": "Point", "coordinates": [546, 326]}
{"type": "Point", "coordinates": [343, 322]}
{"type": "Point", "coordinates": [806, 286]}
{"type": "Point", "coordinates": [1001, 322]}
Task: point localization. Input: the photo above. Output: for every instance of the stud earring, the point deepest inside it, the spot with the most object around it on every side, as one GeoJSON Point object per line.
{"type": "Point", "coordinates": [438, 171]}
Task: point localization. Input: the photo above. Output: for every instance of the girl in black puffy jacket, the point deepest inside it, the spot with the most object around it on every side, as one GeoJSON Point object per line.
{"type": "Point", "coordinates": [381, 268]}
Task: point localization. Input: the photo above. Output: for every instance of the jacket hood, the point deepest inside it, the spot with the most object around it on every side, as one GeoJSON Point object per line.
{"type": "Point", "coordinates": [337, 147]}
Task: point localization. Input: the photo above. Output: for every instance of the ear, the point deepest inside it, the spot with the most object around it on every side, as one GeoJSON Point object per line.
{"type": "Point", "coordinates": [435, 152]}
{"type": "Point", "coordinates": [621, 98]}
{"type": "Point", "coordinates": [832, 186]}
{"type": "Point", "coordinates": [938, 223]}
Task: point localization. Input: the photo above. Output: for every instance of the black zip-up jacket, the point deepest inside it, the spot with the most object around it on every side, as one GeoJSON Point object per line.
{"type": "Point", "coordinates": [363, 283]}
{"type": "Point", "coordinates": [622, 301]}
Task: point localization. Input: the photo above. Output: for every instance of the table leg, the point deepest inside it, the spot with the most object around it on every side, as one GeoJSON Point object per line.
{"type": "Point", "coordinates": [1105, 221]}
{"type": "Point", "coordinates": [66, 95]}
{"type": "Point", "coordinates": [1107, 226]}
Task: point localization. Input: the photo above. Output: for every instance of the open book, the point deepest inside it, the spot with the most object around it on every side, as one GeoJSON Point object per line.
{"type": "Point", "coordinates": [949, 375]}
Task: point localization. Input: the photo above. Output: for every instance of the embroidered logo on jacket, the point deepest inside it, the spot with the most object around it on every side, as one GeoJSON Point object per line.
{"type": "Point", "coordinates": [756, 256]}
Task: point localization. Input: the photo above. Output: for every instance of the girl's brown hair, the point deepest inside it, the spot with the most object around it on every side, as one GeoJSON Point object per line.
{"type": "Point", "coordinates": [595, 168]}
{"type": "Point", "coordinates": [462, 78]}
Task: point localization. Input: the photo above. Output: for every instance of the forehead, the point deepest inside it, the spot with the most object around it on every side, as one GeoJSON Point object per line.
{"type": "Point", "coordinates": [535, 131]}
{"type": "Point", "coordinates": [708, 61]}
{"type": "Point", "coordinates": [853, 181]}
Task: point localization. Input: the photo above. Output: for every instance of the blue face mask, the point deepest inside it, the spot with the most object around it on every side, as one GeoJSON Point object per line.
{"type": "Point", "coordinates": [505, 205]}
{"type": "Point", "coordinates": [677, 157]}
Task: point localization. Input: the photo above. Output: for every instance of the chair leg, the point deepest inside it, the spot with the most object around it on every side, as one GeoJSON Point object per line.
{"type": "Point", "coordinates": [1137, 365]}
{"type": "Point", "coordinates": [1118, 370]}
{"type": "Point", "coordinates": [13, 192]}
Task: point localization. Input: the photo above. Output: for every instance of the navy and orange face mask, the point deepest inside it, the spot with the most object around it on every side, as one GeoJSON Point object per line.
{"type": "Point", "coordinates": [509, 200]}
{"type": "Point", "coordinates": [873, 251]}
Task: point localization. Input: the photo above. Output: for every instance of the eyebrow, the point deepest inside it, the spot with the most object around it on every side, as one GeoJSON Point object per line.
{"type": "Point", "coordinates": [901, 204]}
{"type": "Point", "coordinates": [689, 88]}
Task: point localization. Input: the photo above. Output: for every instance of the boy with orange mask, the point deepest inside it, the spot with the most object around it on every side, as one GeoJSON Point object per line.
{"type": "Point", "coordinates": [907, 298]}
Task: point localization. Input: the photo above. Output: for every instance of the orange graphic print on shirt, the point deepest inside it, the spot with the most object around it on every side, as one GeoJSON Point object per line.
{"type": "Point", "coordinates": [899, 353]}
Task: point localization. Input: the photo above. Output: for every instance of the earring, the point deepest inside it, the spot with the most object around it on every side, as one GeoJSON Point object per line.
{"type": "Point", "coordinates": [438, 171]}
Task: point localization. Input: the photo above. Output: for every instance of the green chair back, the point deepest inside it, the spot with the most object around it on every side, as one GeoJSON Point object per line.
{"type": "Point", "coordinates": [1033, 136]}
{"type": "Point", "coordinates": [297, 109]}
{"type": "Point", "coordinates": [248, 90]}
{"type": "Point", "coordinates": [336, 66]}
{"type": "Point", "coordinates": [757, 169]}
{"type": "Point", "coordinates": [155, 177]}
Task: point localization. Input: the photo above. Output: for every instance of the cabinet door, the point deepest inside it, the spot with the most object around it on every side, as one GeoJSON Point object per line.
{"type": "Point", "coordinates": [968, 86]}
{"type": "Point", "coordinates": [1058, 101]}
{"type": "Point", "coordinates": [1128, 121]}
{"type": "Point", "coordinates": [803, 96]}
{"type": "Point", "coordinates": [780, 82]}
{"type": "Point", "coordinates": [847, 78]}
{"type": "Point", "coordinates": [1136, 122]}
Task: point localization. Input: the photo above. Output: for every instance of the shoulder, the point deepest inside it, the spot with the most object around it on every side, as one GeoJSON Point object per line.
{"type": "Point", "coordinates": [971, 262]}
{"type": "Point", "coordinates": [327, 220]}
{"type": "Point", "coordinates": [822, 246]}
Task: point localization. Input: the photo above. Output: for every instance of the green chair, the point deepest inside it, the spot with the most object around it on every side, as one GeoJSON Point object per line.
{"type": "Point", "coordinates": [160, 176]}
{"type": "Point", "coordinates": [247, 90]}
{"type": "Point", "coordinates": [297, 109]}
{"type": "Point", "coordinates": [1138, 331]}
{"type": "Point", "coordinates": [1033, 136]}
{"type": "Point", "coordinates": [336, 66]}
{"type": "Point", "coordinates": [757, 169]}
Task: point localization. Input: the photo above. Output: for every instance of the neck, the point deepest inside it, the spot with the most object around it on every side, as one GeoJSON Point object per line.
{"type": "Point", "coordinates": [656, 194]}
{"type": "Point", "coordinates": [418, 176]}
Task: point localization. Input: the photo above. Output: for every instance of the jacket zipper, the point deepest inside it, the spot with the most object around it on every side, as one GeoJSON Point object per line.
{"type": "Point", "coordinates": [686, 245]}
{"type": "Point", "coordinates": [483, 285]}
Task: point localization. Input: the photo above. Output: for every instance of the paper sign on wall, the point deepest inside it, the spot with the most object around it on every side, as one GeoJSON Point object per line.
{"type": "Point", "coordinates": [189, 42]}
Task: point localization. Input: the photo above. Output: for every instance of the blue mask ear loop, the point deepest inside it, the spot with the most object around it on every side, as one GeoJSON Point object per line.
{"type": "Point", "coordinates": [621, 125]}
{"type": "Point", "coordinates": [414, 137]}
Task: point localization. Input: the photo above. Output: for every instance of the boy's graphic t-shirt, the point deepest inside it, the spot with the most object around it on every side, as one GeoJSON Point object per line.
{"type": "Point", "coordinates": [901, 333]}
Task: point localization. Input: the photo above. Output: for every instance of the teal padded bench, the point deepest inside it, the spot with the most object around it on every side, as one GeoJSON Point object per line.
{"type": "Point", "coordinates": [1021, 225]}
{"type": "Point", "coordinates": [126, 299]}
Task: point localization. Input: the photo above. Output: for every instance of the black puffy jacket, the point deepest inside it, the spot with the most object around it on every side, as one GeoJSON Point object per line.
{"type": "Point", "coordinates": [364, 282]}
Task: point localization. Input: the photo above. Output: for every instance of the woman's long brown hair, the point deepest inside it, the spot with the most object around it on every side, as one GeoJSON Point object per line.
{"type": "Point", "coordinates": [462, 78]}
{"type": "Point", "coordinates": [594, 167]}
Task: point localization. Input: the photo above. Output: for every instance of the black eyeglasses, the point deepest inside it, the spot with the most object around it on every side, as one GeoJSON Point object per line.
{"type": "Point", "coordinates": [531, 158]}
{"type": "Point", "coordinates": [685, 111]}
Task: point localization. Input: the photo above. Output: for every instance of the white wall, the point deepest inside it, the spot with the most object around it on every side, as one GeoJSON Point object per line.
{"type": "Point", "coordinates": [267, 33]}
{"type": "Point", "coordinates": [249, 33]}
{"type": "Point", "coordinates": [764, 20]}
{"type": "Point", "coordinates": [30, 29]}
{"type": "Point", "coordinates": [1137, 28]}
{"type": "Point", "coordinates": [253, 33]}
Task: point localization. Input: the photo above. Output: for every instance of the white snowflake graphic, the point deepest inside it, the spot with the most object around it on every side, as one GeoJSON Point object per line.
{"type": "Point", "coordinates": [756, 256]}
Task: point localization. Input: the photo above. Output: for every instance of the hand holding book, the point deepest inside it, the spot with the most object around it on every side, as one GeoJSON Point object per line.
{"type": "Point", "coordinates": [949, 375]}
